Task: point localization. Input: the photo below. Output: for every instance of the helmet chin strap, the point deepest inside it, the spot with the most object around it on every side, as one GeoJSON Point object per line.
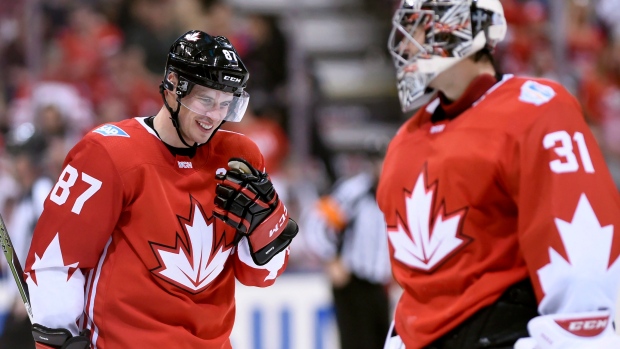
{"type": "Point", "coordinates": [213, 133]}
{"type": "Point", "coordinates": [174, 116]}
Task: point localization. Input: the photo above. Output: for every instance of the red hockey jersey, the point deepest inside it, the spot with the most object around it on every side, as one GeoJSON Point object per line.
{"type": "Point", "coordinates": [515, 186]}
{"type": "Point", "coordinates": [127, 244]}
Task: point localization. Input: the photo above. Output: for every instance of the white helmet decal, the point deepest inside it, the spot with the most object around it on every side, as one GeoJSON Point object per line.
{"type": "Point", "coordinates": [192, 36]}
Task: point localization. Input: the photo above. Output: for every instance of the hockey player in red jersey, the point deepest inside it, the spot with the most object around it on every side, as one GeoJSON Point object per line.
{"type": "Point", "coordinates": [503, 220]}
{"type": "Point", "coordinates": [154, 218]}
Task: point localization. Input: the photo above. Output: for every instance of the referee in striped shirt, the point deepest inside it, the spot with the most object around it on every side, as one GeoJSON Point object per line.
{"type": "Point", "coordinates": [347, 232]}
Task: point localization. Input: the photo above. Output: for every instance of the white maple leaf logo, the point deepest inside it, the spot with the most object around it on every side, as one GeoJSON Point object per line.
{"type": "Point", "coordinates": [192, 36]}
{"type": "Point", "coordinates": [588, 250]}
{"type": "Point", "coordinates": [414, 242]}
{"type": "Point", "coordinates": [51, 258]}
{"type": "Point", "coordinates": [193, 266]}
{"type": "Point", "coordinates": [50, 277]}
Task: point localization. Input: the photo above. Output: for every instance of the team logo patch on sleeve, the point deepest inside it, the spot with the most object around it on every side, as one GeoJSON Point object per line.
{"type": "Point", "coordinates": [111, 130]}
{"type": "Point", "coordinates": [536, 93]}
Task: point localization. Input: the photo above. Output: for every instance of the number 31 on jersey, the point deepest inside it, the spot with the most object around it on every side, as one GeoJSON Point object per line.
{"type": "Point", "coordinates": [568, 161]}
{"type": "Point", "coordinates": [67, 179]}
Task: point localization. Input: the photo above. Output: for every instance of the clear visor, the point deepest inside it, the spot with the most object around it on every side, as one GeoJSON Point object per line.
{"type": "Point", "coordinates": [217, 105]}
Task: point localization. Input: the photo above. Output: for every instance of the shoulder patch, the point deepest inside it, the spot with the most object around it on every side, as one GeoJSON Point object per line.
{"type": "Point", "coordinates": [536, 93]}
{"type": "Point", "coordinates": [111, 130]}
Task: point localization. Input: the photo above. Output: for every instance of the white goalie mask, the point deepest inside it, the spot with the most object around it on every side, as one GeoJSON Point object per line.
{"type": "Point", "coordinates": [430, 36]}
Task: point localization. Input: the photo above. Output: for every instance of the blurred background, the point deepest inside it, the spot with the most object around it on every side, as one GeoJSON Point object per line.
{"type": "Point", "coordinates": [323, 93]}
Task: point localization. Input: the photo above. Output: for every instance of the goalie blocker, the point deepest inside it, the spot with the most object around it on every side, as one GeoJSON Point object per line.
{"type": "Point", "coordinates": [246, 200]}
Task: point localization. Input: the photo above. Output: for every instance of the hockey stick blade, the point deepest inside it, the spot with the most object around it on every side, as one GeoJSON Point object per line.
{"type": "Point", "coordinates": [15, 266]}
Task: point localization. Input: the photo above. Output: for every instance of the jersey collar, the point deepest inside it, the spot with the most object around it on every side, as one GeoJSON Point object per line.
{"type": "Point", "coordinates": [448, 109]}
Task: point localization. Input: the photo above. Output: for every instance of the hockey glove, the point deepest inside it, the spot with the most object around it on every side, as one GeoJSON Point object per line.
{"type": "Point", "coordinates": [571, 331]}
{"type": "Point", "coordinates": [59, 338]}
{"type": "Point", "coordinates": [246, 200]}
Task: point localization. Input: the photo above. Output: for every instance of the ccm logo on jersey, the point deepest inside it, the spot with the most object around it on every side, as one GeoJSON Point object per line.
{"type": "Point", "coordinates": [231, 78]}
{"type": "Point", "coordinates": [185, 164]}
{"type": "Point", "coordinates": [585, 327]}
{"type": "Point", "coordinates": [111, 130]}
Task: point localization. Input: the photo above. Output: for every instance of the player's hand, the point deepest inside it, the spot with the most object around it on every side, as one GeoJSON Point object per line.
{"type": "Point", "coordinates": [59, 338]}
{"type": "Point", "coordinates": [591, 330]}
{"type": "Point", "coordinates": [245, 197]}
{"type": "Point", "coordinates": [246, 200]}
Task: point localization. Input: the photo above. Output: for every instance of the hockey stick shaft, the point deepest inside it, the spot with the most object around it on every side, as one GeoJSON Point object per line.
{"type": "Point", "coordinates": [15, 266]}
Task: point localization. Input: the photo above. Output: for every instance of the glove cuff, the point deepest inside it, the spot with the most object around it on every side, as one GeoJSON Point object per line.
{"type": "Point", "coordinates": [59, 338]}
{"type": "Point", "coordinates": [573, 330]}
{"type": "Point", "coordinates": [264, 255]}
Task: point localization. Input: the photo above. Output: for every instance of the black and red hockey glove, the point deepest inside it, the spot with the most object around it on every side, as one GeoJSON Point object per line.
{"type": "Point", "coordinates": [246, 200]}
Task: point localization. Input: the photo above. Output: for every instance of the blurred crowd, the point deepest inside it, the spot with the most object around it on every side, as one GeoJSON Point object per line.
{"type": "Point", "coordinates": [69, 65]}
{"type": "Point", "coordinates": [589, 49]}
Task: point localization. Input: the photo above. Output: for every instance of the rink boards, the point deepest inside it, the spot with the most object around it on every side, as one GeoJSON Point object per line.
{"type": "Point", "coordinates": [295, 313]}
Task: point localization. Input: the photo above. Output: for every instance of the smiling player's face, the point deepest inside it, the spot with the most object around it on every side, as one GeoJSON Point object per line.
{"type": "Point", "coordinates": [202, 111]}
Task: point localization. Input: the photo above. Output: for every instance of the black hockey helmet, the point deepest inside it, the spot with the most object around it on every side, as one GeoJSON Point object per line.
{"type": "Point", "coordinates": [211, 61]}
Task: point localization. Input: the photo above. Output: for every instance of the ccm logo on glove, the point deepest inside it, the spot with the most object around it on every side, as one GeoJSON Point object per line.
{"type": "Point", "coordinates": [587, 327]}
{"type": "Point", "coordinates": [281, 223]}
